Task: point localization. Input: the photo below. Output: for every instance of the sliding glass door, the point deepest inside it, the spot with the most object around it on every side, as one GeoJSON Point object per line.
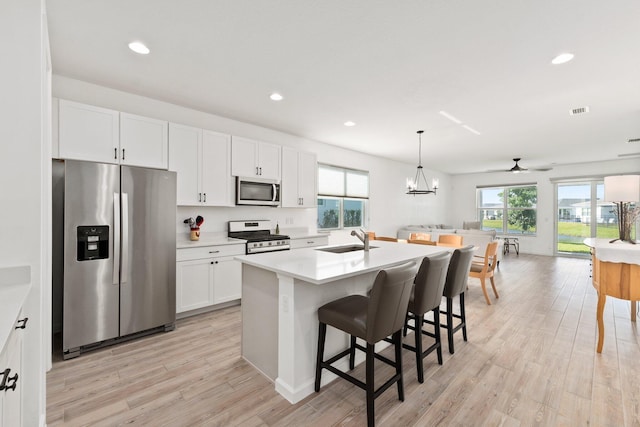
{"type": "Point", "coordinates": [582, 213]}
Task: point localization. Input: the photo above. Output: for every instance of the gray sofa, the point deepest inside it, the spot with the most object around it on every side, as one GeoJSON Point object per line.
{"type": "Point", "coordinates": [478, 238]}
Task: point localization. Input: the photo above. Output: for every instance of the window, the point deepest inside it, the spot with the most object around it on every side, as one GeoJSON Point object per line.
{"type": "Point", "coordinates": [508, 210]}
{"type": "Point", "coordinates": [342, 197]}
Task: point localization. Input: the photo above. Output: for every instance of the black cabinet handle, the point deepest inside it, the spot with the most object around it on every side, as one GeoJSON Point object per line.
{"type": "Point", "coordinates": [22, 323]}
{"type": "Point", "coordinates": [14, 383]}
{"type": "Point", "coordinates": [6, 379]}
{"type": "Point", "coordinates": [115, 153]}
{"type": "Point", "coordinates": [123, 154]}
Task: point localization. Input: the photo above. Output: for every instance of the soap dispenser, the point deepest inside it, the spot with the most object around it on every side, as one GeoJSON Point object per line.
{"type": "Point", "coordinates": [277, 228]}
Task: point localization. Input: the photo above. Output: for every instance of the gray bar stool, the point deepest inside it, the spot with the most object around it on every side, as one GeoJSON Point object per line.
{"type": "Point", "coordinates": [370, 318]}
{"type": "Point", "coordinates": [456, 284]}
{"type": "Point", "coordinates": [426, 297]}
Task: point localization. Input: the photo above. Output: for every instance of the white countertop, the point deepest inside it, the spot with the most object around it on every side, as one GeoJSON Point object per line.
{"type": "Point", "coordinates": [214, 239]}
{"type": "Point", "coordinates": [318, 267]}
{"type": "Point", "coordinates": [15, 283]}
{"type": "Point", "coordinates": [621, 252]}
{"type": "Point", "coordinates": [206, 239]}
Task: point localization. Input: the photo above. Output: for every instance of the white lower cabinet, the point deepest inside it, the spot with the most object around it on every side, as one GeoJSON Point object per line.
{"type": "Point", "coordinates": [309, 242]}
{"type": "Point", "coordinates": [11, 395]}
{"type": "Point", "coordinates": [208, 275]}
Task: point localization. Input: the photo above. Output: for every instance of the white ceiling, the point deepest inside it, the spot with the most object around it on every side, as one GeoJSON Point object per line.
{"type": "Point", "coordinates": [389, 66]}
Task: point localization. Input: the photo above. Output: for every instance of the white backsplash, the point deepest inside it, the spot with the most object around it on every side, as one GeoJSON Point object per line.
{"type": "Point", "coordinates": [216, 218]}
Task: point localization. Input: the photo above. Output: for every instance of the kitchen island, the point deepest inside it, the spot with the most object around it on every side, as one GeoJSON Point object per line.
{"type": "Point", "coordinates": [281, 293]}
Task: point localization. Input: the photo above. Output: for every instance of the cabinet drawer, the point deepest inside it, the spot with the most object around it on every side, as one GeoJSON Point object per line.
{"type": "Point", "coordinates": [309, 242]}
{"type": "Point", "coordinates": [201, 252]}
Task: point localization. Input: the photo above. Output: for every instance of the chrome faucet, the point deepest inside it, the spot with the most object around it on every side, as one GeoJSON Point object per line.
{"type": "Point", "coordinates": [364, 238]}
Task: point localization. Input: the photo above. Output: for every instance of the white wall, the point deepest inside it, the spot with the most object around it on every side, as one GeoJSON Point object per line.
{"type": "Point", "coordinates": [390, 208]}
{"type": "Point", "coordinates": [463, 207]}
{"type": "Point", "coordinates": [23, 182]}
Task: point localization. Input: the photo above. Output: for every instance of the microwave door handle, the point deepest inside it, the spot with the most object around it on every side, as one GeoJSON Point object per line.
{"type": "Point", "coordinates": [275, 192]}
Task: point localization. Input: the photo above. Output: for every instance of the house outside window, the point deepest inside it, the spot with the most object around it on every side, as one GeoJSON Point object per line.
{"type": "Point", "coordinates": [510, 210]}
{"type": "Point", "coordinates": [343, 195]}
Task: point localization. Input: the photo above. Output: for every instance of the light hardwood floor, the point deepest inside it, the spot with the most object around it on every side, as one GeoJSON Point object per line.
{"type": "Point", "coordinates": [530, 360]}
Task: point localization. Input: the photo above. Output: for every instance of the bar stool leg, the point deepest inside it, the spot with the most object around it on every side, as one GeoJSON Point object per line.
{"type": "Point", "coordinates": [436, 327]}
{"type": "Point", "coordinates": [370, 385]}
{"type": "Point", "coordinates": [463, 317]}
{"type": "Point", "coordinates": [450, 324]}
{"type": "Point", "coordinates": [397, 338]}
{"type": "Point", "coordinates": [352, 353]}
{"type": "Point", "coordinates": [322, 332]}
{"type": "Point", "coordinates": [418, 321]}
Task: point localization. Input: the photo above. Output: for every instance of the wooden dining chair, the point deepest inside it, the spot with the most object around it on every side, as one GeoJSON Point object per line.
{"type": "Point", "coordinates": [450, 239]}
{"type": "Point", "coordinates": [483, 268]}
{"type": "Point", "coordinates": [422, 242]}
{"type": "Point", "coordinates": [419, 236]}
{"type": "Point", "coordinates": [387, 239]}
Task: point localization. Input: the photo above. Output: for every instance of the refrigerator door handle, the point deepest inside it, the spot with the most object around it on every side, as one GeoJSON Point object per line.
{"type": "Point", "coordinates": [124, 273]}
{"type": "Point", "coordinates": [116, 238]}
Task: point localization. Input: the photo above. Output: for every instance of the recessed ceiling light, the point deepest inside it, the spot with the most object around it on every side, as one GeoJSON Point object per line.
{"type": "Point", "coordinates": [139, 47]}
{"type": "Point", "coordinates": [450, 117]}
{"type": "Point", "coordinates": [562, 58]}
{"type": "Point", "coordinates": [276, 97]}
{"type": "Point", "coordinates": [349, 123]}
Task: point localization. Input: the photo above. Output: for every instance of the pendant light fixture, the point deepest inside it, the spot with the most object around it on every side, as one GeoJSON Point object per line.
{"type": "Point", "coordinates": [413, 185]}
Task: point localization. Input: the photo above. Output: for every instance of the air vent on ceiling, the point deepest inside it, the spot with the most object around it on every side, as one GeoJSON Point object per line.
{"type": "Point", "coordinates": [580, 110]}
{"type": "Point", "coordinates": [632, 140]}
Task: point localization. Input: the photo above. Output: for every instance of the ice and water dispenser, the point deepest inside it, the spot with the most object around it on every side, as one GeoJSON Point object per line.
{"type": "Point", "coordinates": [93, 242]}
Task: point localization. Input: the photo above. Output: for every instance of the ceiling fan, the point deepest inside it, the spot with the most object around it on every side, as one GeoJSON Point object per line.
{"type": "Point", "coordinates": [519, 169]}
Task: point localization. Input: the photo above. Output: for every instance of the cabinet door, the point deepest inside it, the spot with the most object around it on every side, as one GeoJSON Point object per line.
{"type": "Point", "coordinates": [269, 160]}
{"type": "Point", "coordinates": [143, 141]}
{"type": "Point", "coordinates": [12, 400]}
{"type": "Point", "coordinates": [184, 156]}
{"type": "Point", "coordinates": [290, 197]}
{"type": "Point", "coordinates": [307, 179]}
{"type": "Point", "coordinates": [88, 133]}
{"type": "Point", "coordinates": [244, 157]}
{"type": "Point", "coordinates": [194, 284]}
{"type": "Point", "coordinates": [217, 184]}
{"type": "Point", "coordinates": [227, 279]}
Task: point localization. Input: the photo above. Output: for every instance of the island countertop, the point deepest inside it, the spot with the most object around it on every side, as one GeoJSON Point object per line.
{"type": "Point", "coordinates": [318, 267]}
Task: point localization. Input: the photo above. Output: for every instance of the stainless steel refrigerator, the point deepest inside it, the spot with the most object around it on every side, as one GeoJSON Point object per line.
{"type": "Point", "coordinates": [118, 247]}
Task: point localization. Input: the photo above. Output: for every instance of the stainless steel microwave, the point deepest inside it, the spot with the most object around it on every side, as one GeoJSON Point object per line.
{"type": "Point", "coordinates": [257, 192]}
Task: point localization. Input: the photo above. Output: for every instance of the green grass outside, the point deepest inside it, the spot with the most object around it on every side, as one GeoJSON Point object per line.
{"type": "Point", "coordinates": [569, 232]}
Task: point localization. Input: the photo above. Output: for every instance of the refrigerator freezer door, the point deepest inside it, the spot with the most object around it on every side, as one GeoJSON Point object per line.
{"type": "Point", "coordinates": [148, 271]}
{"type": "Point", "coordinates": [91, 286]}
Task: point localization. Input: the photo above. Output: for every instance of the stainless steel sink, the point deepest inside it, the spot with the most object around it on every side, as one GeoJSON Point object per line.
{"type": "Point", "coordinates": [343, 249]}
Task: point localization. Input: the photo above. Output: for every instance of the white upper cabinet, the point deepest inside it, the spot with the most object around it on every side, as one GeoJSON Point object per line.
{"type": "Point", "coordinates": [88, 133]}
{"type": "Point", "coordinates": [250, 158]}
{"type": "Point", "coordinates": [98, 134]}
{"type": "Point", "coordinates": [216, 182]}
{"type": "Point", "coordinates": [184, 158]}
{"type": "Point", "coordinates": [299, 177]}
{"type": "Point", "coordinates": [143, 141]}
{"type": "Point", "coordinates": [202, 161]}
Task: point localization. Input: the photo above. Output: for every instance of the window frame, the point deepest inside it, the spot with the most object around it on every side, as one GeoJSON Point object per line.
{"type": "Point", "coordinates": [345, 196]}
{"type": "Point", "coordinates": [505, 209]}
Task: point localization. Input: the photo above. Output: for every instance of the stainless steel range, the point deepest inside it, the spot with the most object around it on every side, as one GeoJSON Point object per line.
{"type": "Point", "coordinates": [258, 236]}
